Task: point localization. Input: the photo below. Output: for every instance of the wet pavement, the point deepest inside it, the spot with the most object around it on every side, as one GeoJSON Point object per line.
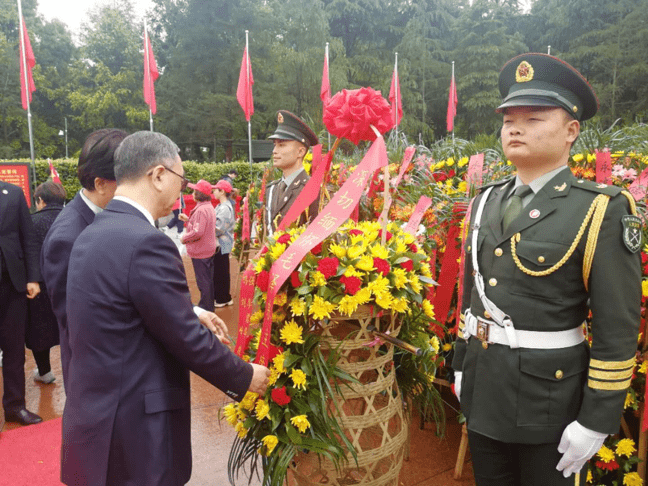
{"type": "Point", "coordinates": [431, 461]}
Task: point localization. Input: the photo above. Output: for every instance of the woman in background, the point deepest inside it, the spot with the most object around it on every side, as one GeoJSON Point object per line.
{"type": "Point", "coordinates": [225, 222]}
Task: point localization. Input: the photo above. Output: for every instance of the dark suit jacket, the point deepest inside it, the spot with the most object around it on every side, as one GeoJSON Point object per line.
{"type": "Point", "coordinates": [17, 238]}
{"type": "Point", "coordinates": [55, 259]}
{"type": "Point", "coordinates": [530, 395]}
{"type": "Point", "coordinates": [280, 207]}
{"type": "Point", "coordinates": [134, 337]}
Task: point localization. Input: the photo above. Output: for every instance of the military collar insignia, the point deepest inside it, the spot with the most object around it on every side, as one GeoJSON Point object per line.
{"type": "Point", "coordinates": [280, 118]}
{"type": "Point", "coordinates": [631, 232]}
{"type": "Point", "coordinates": [524, 72]}
{"type": "Point", "coordinates": [560, 188]}
{"type": "Point", "coordinates": [601, 186]}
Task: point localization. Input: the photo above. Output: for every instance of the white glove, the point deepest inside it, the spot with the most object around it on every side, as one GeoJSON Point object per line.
{"type": "Point", "coordinates": [457, 384]}
{"type": "Point", "coordinates": [578, 444]}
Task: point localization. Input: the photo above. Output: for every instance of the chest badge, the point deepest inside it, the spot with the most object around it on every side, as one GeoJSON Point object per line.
{"type": "Point", "coordinates": [631, 232]}
{"type": "Point", "coordinates": [534, 214]}
{"type": "Point", "coordinates": [4, 191]}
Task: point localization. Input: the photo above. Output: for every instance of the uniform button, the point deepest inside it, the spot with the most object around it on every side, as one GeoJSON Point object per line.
{"type": "Point", "coordinates": [499, 252]}
{"type": "Point", "coordinates": [469, 247]}
{"type": "Point", "coordinates": [487, 315]}
{"type": "Point", "coordinates": [484, 345]}
{"type": "Point", "coordinates": [559, 374]}
{"type": "Point", "coordinates": [541, 259]}
{"type": "Point", "coordinates": [492, 282]}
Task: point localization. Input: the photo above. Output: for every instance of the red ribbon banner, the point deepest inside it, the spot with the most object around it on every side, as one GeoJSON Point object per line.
{"type": "Point", "coordinates": [603, 167]}
{"type": "Point", "coordinates": [475, 169]}
{"type": "Point", "coordinates": [245, 231]}
{"type": "Point", "coordinates": [639, 188]}
{"type": "Point", "coordinates": [335, 213]}
{"type": "Point", "coordinates": [415, 219]}
{"type": "Point", "coordinates": [407, 159]}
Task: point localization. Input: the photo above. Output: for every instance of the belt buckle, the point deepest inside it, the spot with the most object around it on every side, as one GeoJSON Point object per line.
{"type": "Point", "coordinates": [483, 329]}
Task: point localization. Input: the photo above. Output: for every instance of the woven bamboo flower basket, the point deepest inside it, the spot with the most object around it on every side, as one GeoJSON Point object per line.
{"type": "Point", "coordinates": [371, 413]}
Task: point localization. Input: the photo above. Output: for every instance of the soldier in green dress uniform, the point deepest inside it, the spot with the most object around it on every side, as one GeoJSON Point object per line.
{"type": "Point", "coordinates": [543, 250]}
{"type": "Point", "coordinates": [292, 140]}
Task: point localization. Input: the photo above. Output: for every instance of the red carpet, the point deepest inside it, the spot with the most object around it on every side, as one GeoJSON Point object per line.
{"type": "Point", "coordinates": [31, 455]}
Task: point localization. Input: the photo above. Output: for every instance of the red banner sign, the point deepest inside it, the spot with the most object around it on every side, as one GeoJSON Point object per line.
{"type": "Point", "coordinates": [17, 173]}
{"type": "Point", "coordinates": [245, 230]}
{"type": "Point", "coordinates": [603, 167]}
{"type": "Point", "coordinates": [475, 169]}
{"type": "Point", "coordinates": [639, 187]}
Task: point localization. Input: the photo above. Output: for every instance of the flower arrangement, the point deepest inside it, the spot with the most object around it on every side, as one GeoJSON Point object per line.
{"type": "Point", "coordinates": [615, 464]}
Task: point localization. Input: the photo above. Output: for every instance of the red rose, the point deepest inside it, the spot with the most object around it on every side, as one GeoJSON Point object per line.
{"type": "Point", "coordinates": [262, 280]}
{"type": "Point", "coordinates": [317, 249]}
{"type": "Point", "coordinates": [351, 284]}
{"type": "Point", "coordinates": [264, 250]}
{"type": "Point", "coordinates": [328, 267]}
{"type": "Point", "coordinates": [274, 351]}
{"type": "Point", "coordinates": [355, 232]}
{"type": "Point", "coordinates": [284, 238]}
{"type": "Point", "coordinates": [408, 265]}
{"type": "Point", "coordinates": [413, 248]}
{"type": "Point", "coordinates": [382, 266]}
{"type": "Point", "coordinates": [388, 237]}
{"type": "Point", "coordinates": [294, 279]}
{"type": "Point", "coordinates": [350, 113]}
{"type": "Point", "coordinates": [280, 396]}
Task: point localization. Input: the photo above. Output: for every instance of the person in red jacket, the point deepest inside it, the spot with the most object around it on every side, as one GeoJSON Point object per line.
{"type": "Point", "coordinates": [200, 240]}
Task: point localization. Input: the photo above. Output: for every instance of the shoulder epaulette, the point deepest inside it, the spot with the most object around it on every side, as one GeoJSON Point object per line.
{"type": "Point", "coordinates": [600, 188]}
{"type": "Point", "coordinates": [501, 182]}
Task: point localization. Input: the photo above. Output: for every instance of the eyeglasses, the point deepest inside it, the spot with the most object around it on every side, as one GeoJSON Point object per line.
{"type": "Point", "coordinates": [185, 181]}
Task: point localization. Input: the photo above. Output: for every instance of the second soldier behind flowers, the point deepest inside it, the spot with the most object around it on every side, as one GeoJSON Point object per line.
{"type": "Point", "coordinates": [292, 140]}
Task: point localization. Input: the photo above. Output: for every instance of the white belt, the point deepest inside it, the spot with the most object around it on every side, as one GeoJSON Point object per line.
{"type": "Point", "coordinates": [492, 333]}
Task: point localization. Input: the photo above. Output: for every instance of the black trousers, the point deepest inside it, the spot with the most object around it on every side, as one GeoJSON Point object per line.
{"type": "Point", "coordinates": [222, 277]}
{"type": "Point", "coordinates": [42, 359]}
{"type": "Point", "coordinates": [498, 463]}
{"type": "Point", "coordinates": [204, 270]}
{"type": "Point", "coordinates": [13, 319]}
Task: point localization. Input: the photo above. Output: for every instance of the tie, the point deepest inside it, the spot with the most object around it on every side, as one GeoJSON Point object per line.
{"type": "Point", "coordinates": [515, 206]}
{"type": "Point", "coordinates": [280, 188]}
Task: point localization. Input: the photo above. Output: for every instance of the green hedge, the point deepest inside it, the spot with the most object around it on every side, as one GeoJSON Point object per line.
{"type": "Point", "coordinates": [194, 171]}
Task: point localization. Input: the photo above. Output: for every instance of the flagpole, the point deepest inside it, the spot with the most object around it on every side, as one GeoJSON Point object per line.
{"type": "Point", "coordinates": [27, 93]}
{"type": "Point", "coordinates": [453, 80]}
{"type": "Point", "coordinates": [328, 146]}
{"type": "Point", "coordinates": [247, 62]}
{"type": "Point", "coordinates": [549, 50]}
{"type": "Point", "coordinates": [396, 92]}
{"type": "Point", "coordinates": [147, 70]}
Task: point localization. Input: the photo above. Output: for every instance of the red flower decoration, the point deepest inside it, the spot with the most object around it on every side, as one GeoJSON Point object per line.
{"type": "Point", "coordinates": [328, 267]}
{"type": "Point", "coordinates": [351, 284]}
{"type": "Point", "coordinates": [317, 249]}
{"type": "Point", "coordinates": [262, 280]}
{"type": "Point", "coordinates": [610, 466]}
{"type": "Point", "coordinates": [264, 250]}
{"type": "Point", "coordinates": [388, 237]}
{"type": "Point", "coordinates": [294, 279]}
{"type": "Point", "coordinates": [382, 266]}
{"type": "Point", "coordinates": [284, 238]}
{"type": "Point", "coordinates": [356, 232]}
{"type": "Point", "coordinates": [274, 351]}
{"type": "Point", "coordinates": [280, 396]}
{"type": "Point", "coordinates": [413, 248]}
{"type": "Point", "coordinates": [408, 265]}
{"type": "Point", "coordinates": [350, 113]}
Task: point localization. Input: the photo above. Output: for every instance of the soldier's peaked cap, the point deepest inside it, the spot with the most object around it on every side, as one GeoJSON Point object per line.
{"type": "Point", "coordinates": [535, 79]}
{"type": "Point", "coordinates": [291, 127]}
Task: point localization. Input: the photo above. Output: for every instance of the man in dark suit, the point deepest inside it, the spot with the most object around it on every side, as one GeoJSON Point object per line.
{"type": "Point", "coordinates": [134, 336]}
{"type": "Point", "coordinates": [19, 272]}
{"type": "Point", "coordinates": [97, 176]}
{"type": "Point", "coordinates": [543, 251]}
{"type": "Point", "coordinates": [292, 139]}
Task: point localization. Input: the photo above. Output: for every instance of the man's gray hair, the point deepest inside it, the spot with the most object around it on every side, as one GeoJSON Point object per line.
{"type": "Point", "coordinates": [140, 151]}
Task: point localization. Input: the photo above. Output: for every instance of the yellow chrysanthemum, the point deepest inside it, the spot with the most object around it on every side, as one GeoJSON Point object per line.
{"type": "Point", "coordinates": [644, 288]}
{"type": "Point", "coordinates": [408, 238]}
{"type": "Point", "coordinates": [279, 316]}
{"type": "Point", "coordinates": [355, 250]}
{"type": "Point", "coordinates": [317, 279]}
{"type": "Point", "coordinates": [400, 305]}
{"type": "Point", "coordinates": [428, 308]}
{"type": "Point", "coordinates": [262, 409]}
{"type": "Point", "coordinates": [257, 317]}
{"type": "Point", "coordinates": [625, 447]}
{"type": "Point", "coordinates": [259, 266]}
{"type": "Point", "coordinates": [281, 299]}
{"type": "Point", "coordinates": [337, 250]}
{"type": "Point", "coordinates": [425, 269]}
{"type": "Point", "coordinates": [378, 251]}
{"type": "Point", "coordinates": [384, 299]}
{"type": "Point", "coordinates": [278, 363]}
{"type": "Point", "coordinates": [301, 422]}
{"type": "Point", "coordinates": [352, 272]}
{"type": "Point", "coordinates": [462, 186]}
{"type": "Point", "coordinates": [434, 344]}
{"type": "Point", "coordinates": [606, 454]}
{"type": "Point", "coordinates": [415, 283]}
{"type": "Point", "coordinates": [241, 413]}
{"type": "Point", "coordinates": [348, 305]}
{"type": "Point", "coordinates": [591, 158]}
{"type": "Point", "coordinates": [362, 296]}
{"type": "Point", "coordinates": [629, 400]}
{"type": "Point", "coordinates": [365, 264]}
{"type": "Point", "coordinates": [400, 245]}
{"type": "Point", "coordinates": [231, 414]}
{"type": "Point", "coordinates": [292, 333]}
{"type": "Point", "coordinates": [277, 250]}
{"type": "Point", "coordinates": [240, 430]}
{"type": "Point", "coordinates": [270, 442]}
{"type": "Point", "coordinates": [400, 278]}
{"type": "Point", "coordinates": [632, 479]}
{"type": "Point", "coordinates": [643, 368]}
{"type": "Point", "coordinates": [589, 478]}
{"type": "Point", "coordinates": [447, 347]}
{"type": "Point", "coordinates": [297, 306]}
{"type": "Point", "coordinates": [379, 286]}
{"type": "Point", "coordinates": [462, 161]}
{"type": "Point", "coordinates": [578, 157]}
{"type": "Point", "coordinates": [274, 376]}
{"type": "Point", "coordinates": [321, 309]}
{"type": "Point", "coordinates": [248, 401]}
{"type": "Point", "coordinates": [299, 378]}
{"type": "Point", "coordinates": [450, 162]}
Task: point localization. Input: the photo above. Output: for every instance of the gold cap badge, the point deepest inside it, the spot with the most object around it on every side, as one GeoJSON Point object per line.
{"type": "Point", "coordinates": [524, 72]}
{"type": "Point", "coordinates": [280, 118]}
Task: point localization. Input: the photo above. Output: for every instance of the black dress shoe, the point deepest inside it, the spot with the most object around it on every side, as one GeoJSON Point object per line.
{"type": "Point", "coordinates": [23, 416]}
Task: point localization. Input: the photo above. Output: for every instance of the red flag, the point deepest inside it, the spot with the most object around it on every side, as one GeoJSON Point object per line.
{"type": "Point", "coordinates": [452, 105]}
{"type": "Point", "coordinates": [150, 74]}
{"type": "Point", "coordinates": [31, 62]}
{"type": "Point", "coordinates": [395, 96]}
{"type": "Point", "coordinates": [53, 172]}
{"type": "Point", "coordinates": [244, 90]}
{"type": "Point", "coordinates": [325, 90]}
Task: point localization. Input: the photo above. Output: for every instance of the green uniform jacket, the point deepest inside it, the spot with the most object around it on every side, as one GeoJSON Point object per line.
{"type": "Point", "coordinates": [279, 207]}
{"type": "Point", "coordinates": [531, 395]}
